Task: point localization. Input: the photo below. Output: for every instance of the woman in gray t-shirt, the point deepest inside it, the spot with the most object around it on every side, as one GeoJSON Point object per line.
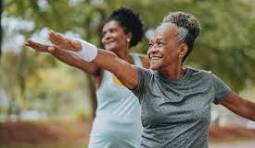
{"type": "Point", "coordinates": [175, 100]}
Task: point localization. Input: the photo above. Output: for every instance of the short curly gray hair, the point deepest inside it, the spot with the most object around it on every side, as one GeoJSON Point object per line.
{"type": "Point", "coordinates": [188, 27]}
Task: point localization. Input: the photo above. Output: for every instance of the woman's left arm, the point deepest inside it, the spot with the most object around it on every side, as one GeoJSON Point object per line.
{"type": "Point", "coordinates": [240, 106]}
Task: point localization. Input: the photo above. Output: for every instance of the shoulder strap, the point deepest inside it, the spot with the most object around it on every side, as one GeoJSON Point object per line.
{"type": "Point", "coordinates": [137, 59]}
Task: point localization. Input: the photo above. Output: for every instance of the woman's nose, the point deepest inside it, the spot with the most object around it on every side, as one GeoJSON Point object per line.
{"type": "Point", "coordinates": [105, 37]}
{"type": "Point", "coordinates": [153, 49]}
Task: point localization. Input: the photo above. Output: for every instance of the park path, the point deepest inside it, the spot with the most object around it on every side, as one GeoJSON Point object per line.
{"type": "Point", "coordinates": [238, 144]}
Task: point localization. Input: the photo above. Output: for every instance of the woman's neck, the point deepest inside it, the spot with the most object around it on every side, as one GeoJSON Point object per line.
{"type": "Point", "coordinates": [125, 55]}
{"type": "Point", "coordinates": [174, 72]}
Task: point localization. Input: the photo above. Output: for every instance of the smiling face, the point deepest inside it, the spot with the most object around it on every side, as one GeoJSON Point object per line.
{"type": "Point", "coordinates": [114, 36]}
{"type": "Point", "coordinates": [164, 47]}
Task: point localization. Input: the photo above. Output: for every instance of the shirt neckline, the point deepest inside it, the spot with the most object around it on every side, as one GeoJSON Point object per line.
{"type": "Point", "coordinates": [181, 80]}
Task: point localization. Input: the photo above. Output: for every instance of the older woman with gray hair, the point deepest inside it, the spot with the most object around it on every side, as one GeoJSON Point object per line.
{"type": "Point", "coordinates": [175, 100]}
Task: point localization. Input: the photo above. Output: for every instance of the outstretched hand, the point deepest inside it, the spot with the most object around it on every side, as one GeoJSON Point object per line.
{"type": "Point", "coordinates": [64, 43]}
{"type": "Point", "coordinates": [39, 47]}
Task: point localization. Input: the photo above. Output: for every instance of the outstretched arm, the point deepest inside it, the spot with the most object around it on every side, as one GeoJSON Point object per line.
{"type": "Point", "coordinates": [108, 60]}
{"type": "Point", "coordinates": [64, 56]}
{"type": "Point", "coordinates": [240, 106]}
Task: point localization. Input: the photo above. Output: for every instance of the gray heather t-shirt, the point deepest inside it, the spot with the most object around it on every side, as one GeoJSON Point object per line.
{"type": "Point", "coordinates": [176, 114]}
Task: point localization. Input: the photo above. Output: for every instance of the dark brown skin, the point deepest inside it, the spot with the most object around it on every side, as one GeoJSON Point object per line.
{"type": "Point", "coordinates": [165, 55]}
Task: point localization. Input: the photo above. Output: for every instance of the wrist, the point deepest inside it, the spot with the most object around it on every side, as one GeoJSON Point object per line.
{"type": "Point", "coordinates": [88, 51]}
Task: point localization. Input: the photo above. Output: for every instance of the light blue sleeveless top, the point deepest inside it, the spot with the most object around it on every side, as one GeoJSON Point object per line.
{"type": "Point", "coordinates": [118, 115]}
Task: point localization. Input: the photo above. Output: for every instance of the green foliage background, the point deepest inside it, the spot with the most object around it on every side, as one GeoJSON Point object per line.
{"type": "Point", "coordinates": [32, 80]}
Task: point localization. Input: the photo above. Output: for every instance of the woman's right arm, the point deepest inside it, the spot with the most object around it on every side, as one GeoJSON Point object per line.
{"type": "Point", "coordinates": [104, 59]}
{"type": "Point", "coordinates": [65, 56]}
{"type": "Point", "coordinates": [108, 60]}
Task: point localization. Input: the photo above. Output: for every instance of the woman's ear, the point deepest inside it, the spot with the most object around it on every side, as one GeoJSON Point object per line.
{"type": "Point", "coordinates": [129, 36]}
{"type": "Point", "coordinates": [183, 50]}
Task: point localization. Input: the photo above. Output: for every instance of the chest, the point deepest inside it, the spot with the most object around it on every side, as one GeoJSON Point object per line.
{"type": "Point", "coordinates": [176, 105]}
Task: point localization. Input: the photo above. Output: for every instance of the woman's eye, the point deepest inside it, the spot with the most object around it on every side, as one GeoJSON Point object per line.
{"type": "Point", "coordinates": [112, 30]}
{"type": "Point", "coordinates": [150, 44]}
{"type": "Point", "coordinates": [160, 44]}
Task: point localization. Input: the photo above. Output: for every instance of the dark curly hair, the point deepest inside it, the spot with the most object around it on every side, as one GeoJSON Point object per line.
{"type": "Point", "coordinates": [130, 21]}
{"type": "Point", "coordinates": [188, 27]}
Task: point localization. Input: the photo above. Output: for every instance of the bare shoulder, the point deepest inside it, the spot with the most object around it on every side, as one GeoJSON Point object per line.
{"type": "Point", "coordinates": [145, 60]}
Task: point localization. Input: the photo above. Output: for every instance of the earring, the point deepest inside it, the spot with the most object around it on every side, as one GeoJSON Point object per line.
{"type": "Point", "coordinates": [128, 39]}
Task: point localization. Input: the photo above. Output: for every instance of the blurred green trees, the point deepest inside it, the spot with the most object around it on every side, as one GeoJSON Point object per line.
{"type": "Point", "coordinates": [225, 45]}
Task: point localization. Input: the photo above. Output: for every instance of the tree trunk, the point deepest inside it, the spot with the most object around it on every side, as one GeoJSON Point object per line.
{"type": "Point", "coordinates": [1, 10]}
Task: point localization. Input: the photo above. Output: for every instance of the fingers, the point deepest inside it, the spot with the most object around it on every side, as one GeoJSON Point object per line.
{"type": "Point", "coordinates": [56, 38]}
{"type": "Point", "coordinates": [64, 43]}
{"type": "Point", "coordinates": [36, 46]}
{"type": "Point", "coordinates": [59, 42]}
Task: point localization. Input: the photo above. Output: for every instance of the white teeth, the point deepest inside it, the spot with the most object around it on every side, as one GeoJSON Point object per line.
{"type": "Point", "coordinates": [155, 58]}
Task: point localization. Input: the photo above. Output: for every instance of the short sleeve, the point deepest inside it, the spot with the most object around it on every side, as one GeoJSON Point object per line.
{"type": "Point", "coordinates": [144, 76]}
{"type": "Point", "coordinates": [221, 89]}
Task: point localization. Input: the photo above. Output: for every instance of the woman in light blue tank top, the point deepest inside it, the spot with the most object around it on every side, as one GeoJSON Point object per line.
{"type": "Point", "coordinates": [118, 117]}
